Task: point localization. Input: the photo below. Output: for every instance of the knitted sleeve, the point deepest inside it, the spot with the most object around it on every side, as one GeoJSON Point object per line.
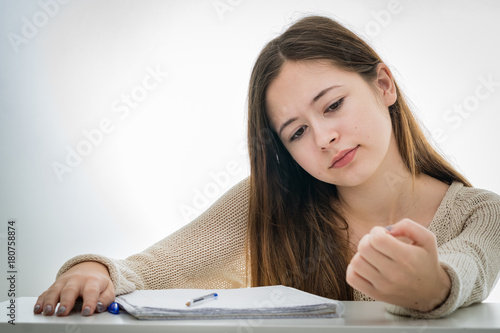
{"type": "Point", "coordinates": [472, 258]}
{"type": "Point", "coordinates": [208, 253]}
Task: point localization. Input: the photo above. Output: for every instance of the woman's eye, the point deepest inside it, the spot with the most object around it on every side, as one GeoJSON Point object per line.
{"type": "Point", "coordinates": [335, 105]}
{"type": "Point", "coordinates": [297, 134]}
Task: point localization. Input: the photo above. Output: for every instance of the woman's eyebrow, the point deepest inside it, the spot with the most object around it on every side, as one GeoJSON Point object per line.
{"type": "Point", "coordinates": [314, 100]}
{"type": "Point", "coordinates": [285, 124]}
{"type": "Point", "coordinates": [322, 93]}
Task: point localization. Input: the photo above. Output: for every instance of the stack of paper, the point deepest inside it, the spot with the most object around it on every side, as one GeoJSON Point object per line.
{"type": "Point", "coordinates": [259, 302]}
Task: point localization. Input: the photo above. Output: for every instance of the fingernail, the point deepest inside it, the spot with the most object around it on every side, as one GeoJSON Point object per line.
{"type": "Point", "coordinates": [388, 228]}
{"type": "Point", "coordinates": [86, 311]}
{"type": "Point", "coordinates": [47, 310]}
{"type": "Point", "coordinates": [61, 310]}
{"type": "Point", "coordinates": [37, 308]}
{"type": "Point", "coordinates": [100, 307]}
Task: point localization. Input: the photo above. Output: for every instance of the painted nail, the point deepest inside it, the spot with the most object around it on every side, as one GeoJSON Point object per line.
{"type": "Point", "coordinates": [61, 310]}
{"type": "Point", "coordinates": [37, 308]}
{"type": "Point", "coordinates": [47, 310]}
{"type": "Point", "coordinates": [100, 307]}
{"type": "Point", "coordinates": [86, 311]}
{"type": "Point", "coordinates": [388, 228]}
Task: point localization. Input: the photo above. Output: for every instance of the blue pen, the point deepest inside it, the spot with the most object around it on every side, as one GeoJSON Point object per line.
{"type": "Point", "coordinates": [114, 308]}
{"type": "Point", "coordinates": [201, 299]}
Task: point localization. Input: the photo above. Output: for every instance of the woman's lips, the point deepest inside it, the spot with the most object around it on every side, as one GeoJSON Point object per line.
{"type": "Point", "coordinates": [344, 157]}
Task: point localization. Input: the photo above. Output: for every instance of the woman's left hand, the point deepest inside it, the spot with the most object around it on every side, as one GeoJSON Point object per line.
{"type": "Point", "coordinates": [400, 273]}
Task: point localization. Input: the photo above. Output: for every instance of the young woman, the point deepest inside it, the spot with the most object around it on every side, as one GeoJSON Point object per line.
{"type": "Point", "coordinates": [346, 198]}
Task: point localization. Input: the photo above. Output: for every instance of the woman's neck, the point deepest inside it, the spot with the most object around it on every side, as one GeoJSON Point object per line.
{"type": "Point", "coordinates": [391, 194]}
{"type": "Point", "coordinates": [388, 199]}
{"type": "Point", "coordinates": [382, 201]}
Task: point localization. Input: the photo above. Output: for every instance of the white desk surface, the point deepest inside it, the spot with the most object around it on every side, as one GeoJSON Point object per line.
{"type": "Point", "coordinates": [358, 317]}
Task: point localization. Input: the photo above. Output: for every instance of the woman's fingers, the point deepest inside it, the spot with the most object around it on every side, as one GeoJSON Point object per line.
{"type": "Point", "coordinates": [63, 292]}
{"type": "Point", "coordinates": [397, 272]}
{"type": "Point", "coordinates": [364, 269]}
{"type": "Point", "coordinates": [39, 304]}
{"type": "Point", "coordinates": [69, 294]}
{"type": "Point", "coordinates": [386, 244]}
{"type": "Point", "coordinates": [371, 254]}
{"type": "Point", "coordinates": [106, 298]}
{"type": "Point", "coordinates": [94, 298]}
{"type": "Point", "coordinates": [91, 293]}
{"type": "Point", "coordinates": [389, 243]}
{"type": "Point", "coordinates": [88, 280]}
{"type": "Point", "coordinates": [48, 301]}
{"type": "Point", "coordinates": [420, 235]}
{"type": "Point", "coordinates": [357, 281]}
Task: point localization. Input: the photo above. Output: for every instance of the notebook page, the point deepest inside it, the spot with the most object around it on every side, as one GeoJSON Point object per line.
{"type": "Point", "coordinates": [243, 298]}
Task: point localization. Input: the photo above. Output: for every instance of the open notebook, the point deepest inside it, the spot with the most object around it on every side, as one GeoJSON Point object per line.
{"type": "Point", "coordinates": [259, 302]}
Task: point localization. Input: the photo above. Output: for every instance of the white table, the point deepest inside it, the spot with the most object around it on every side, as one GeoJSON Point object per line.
{"type": "Point", "coordinates": [358, 317]}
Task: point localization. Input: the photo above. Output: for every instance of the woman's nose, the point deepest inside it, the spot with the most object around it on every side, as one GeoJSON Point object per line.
{"type": "Point", "coordinates": [325, 136]}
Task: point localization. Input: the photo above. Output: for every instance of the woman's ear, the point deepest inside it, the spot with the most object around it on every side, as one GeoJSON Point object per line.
{"type": "Point", "coordinates": [385, 84]}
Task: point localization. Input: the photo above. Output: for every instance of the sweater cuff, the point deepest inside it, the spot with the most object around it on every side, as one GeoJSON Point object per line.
{"type": "Point", "coordinates": [446, 308]}
{"type": "Point", "coordinates": [122, 286]}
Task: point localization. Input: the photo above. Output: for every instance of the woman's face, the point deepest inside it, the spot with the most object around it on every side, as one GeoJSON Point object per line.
{"type": "Point", "coordinates": [331, 121]}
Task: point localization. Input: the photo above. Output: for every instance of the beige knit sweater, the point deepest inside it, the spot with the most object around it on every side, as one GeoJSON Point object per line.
{"type": "Point", "coordinates": [210, 252]}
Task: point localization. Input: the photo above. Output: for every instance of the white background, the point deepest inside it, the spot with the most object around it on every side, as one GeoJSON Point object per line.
{"type": "Point", "coordinates": [65, 68]}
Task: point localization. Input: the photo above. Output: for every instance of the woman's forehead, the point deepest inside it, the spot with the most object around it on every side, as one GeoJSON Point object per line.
{"type": "Point", "coordinates": [300, 82]}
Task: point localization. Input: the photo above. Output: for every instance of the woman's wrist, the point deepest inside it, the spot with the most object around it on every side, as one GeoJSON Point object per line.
{"type": "Point", "coordinates": [441, 291]}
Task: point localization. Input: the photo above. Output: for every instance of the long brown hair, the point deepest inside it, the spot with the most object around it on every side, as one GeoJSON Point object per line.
{"type": "Point", "coordinates": [297, 234]}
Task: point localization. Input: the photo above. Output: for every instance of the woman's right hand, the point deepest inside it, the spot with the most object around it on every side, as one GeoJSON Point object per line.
{"type": "Point", "coordinates": [89, 280]}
